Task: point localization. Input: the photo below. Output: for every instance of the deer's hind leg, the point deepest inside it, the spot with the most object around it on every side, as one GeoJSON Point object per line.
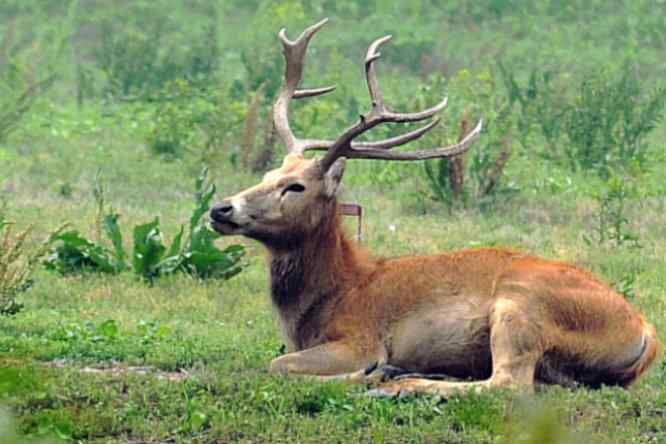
{"type": "Point", "coordinates": [516, 345]}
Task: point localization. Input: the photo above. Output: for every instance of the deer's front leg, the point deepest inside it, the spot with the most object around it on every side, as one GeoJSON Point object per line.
{"type": "Point", "coordinates": [327, 362]}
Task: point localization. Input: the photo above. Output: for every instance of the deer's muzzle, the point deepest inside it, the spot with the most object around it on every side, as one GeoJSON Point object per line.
{"type": "Point", "coordinates": [221, 218]}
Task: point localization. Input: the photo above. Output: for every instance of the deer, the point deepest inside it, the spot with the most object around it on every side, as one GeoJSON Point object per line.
{"type": "Point", "coordinates": [474, 319]}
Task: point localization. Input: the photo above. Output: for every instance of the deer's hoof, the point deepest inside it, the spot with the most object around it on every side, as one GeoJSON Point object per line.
{"type": "Point", "coordinates": [390, 390]}
{"type": "Point", "coordinates": [381, 393]}
{"type": "Point", "coordinates": [378, 373]}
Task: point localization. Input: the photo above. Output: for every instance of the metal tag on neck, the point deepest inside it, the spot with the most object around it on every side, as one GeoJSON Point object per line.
{"type": "Point", "coordinates": [352, 209]}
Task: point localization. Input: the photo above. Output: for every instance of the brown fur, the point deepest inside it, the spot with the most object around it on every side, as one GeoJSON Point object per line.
{"type": "Point", "coordinates": [495, 315]}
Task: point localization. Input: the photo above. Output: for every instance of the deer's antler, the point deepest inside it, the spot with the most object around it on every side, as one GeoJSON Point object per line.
{"type": "Point", "coordinates": [294, 55]}
{"type": "Point", "coordinates": [345, 146]}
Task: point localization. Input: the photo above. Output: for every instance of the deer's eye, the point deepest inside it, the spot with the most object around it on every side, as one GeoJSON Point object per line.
{"type": "Point", "coordinates": [294, 187]}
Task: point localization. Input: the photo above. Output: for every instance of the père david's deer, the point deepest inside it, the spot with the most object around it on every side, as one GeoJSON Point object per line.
{"type": "Point", "coordinates": [493, 316]}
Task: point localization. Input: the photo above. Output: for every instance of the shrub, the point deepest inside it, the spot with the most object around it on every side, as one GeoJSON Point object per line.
{"type": "Point", "coordinates": [609, 120]}
{"type": "Point", "coordinates": [611, 219]}
{"type": "Point", "coordinates": [75, 253]}
{"type": "Point", "coordinates": [174, 120]}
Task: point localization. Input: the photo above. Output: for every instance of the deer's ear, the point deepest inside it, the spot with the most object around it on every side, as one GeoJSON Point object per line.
{"type": "Point", "coordinates": [333, 177]}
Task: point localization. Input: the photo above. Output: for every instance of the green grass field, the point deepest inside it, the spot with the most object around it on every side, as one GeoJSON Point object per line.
{"type": "Point", "coordinates": [97, 358]}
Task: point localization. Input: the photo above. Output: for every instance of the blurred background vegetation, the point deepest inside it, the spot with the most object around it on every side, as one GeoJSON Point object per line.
{"type": "Point", "coordinates": [576, 83]}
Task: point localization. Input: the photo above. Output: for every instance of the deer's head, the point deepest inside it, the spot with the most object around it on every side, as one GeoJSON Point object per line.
{"type": "Point", "coordinates": [288, 204]}
{"type": "Point", "coordinates": [292, 201]}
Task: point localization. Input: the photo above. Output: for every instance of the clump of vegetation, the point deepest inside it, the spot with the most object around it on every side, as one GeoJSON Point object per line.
{"type": "Point", "coordinates": [17, 264]}
{"type": "Point", "coordinates": [196, 255]}
{"type": "Point", "coordinates": [75, 253]}
{"type": "Point", "coordinates": [611, 224]}
{"type": "Point", "coordinates": [609, 120]}
{"type": "Point", "coordinates": [174, 120]}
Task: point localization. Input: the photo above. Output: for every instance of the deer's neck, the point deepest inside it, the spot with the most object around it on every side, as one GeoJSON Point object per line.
{"type": "Point", "coordinates": [310, 276]}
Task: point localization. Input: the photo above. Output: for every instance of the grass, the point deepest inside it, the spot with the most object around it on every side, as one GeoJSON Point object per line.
{"type": "Point", "coordinates": [223, 334]}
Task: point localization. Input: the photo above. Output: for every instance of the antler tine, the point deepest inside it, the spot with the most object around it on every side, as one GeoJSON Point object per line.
{"type": "Point", "coordinates": [448, 151]}
{"type": "Point", "coordinates": [303, 93]}
{"type": "Point", "coordinates": [376, 98]}
{"type": "Point", "coordinates": [415, 117]}
{"type": "Point", "coordinates": [294, 55]}
{"type": "Point", "coordinates": [402, 139]}
{"type": "Point", "coordinates": [397, 140]}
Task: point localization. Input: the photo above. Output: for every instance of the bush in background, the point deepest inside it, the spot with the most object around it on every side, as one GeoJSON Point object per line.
{"type": "Point", "coordinates": [609, 119]}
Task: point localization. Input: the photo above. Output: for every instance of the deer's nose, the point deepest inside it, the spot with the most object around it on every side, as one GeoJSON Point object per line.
{"type": "Point", "coordinates": [221, 211]}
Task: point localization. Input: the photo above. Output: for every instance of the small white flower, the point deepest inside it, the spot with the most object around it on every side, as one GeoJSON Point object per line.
{"type": "Point", "coordinates": [392, 228]}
